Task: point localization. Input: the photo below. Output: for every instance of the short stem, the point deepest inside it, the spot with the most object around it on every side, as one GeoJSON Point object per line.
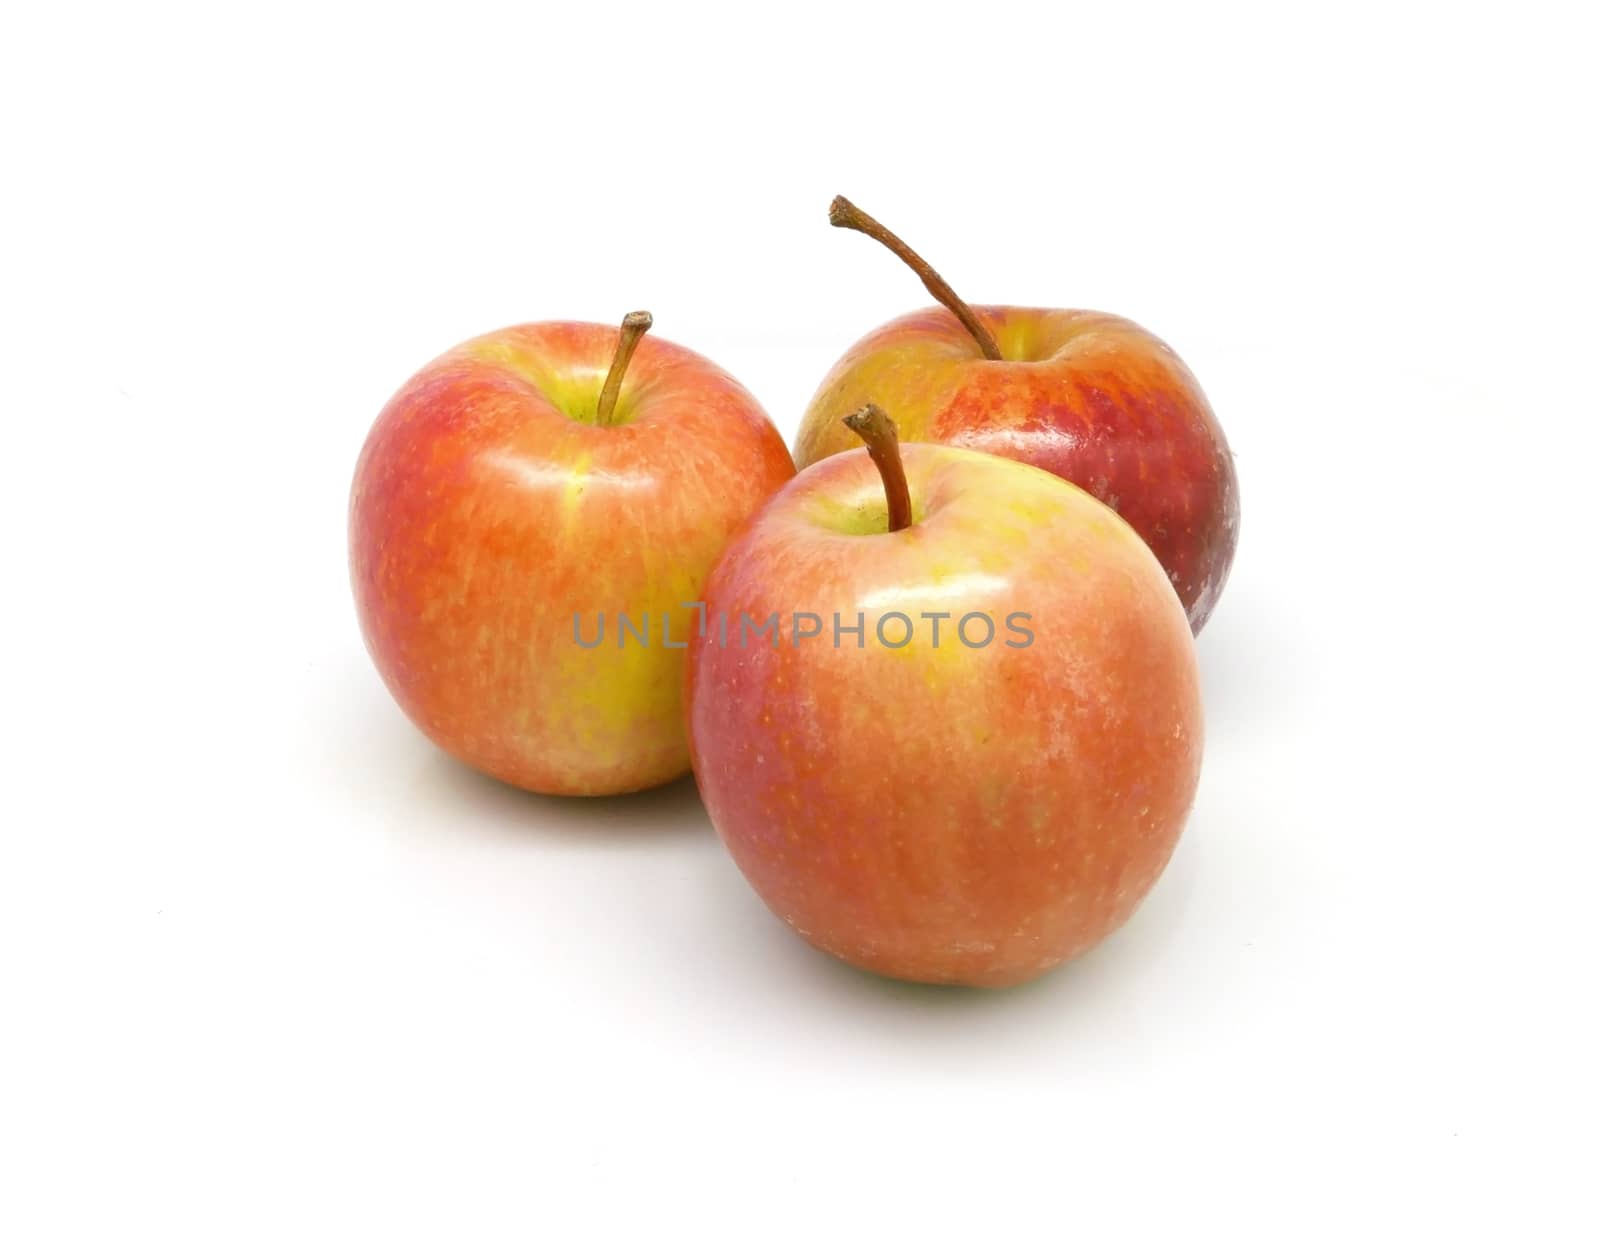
{"type": "Point", "coordinates": [843, 213]}
{"type": "Point", "coordinates": [634, 326]}
{"type": "Point", "coordinates": [883, 445]}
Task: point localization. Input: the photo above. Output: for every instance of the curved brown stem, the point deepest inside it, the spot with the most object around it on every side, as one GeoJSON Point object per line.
{"type": "Point", "coordinates": [875, 429]}
{"type": "Point", "coordinates": [634, 326]}
{"type": "Point", "coordinates": [843, 213]}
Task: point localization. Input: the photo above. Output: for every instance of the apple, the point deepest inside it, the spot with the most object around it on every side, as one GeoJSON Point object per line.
{"type": "Point", "coordinates": [944, 713]}
{"type": "Point", "coordinates": [514, 501]}
{"type": "Point", "coordinates": [1091, 397]}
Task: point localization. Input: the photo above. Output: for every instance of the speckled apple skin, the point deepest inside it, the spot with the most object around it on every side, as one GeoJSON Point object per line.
{"type": "Point", "coordinates": [484, 514]}
{"type": "Point", "coordinates": [1092, 398]}
{"type": "Point", "coordinates": [947, 814]}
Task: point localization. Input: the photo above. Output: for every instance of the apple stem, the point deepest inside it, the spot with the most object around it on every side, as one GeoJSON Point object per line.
{"type": "Point", "coordinates": [875, 429]}
{"type": "Point", "coordinates": [843, 213]}
{"type": "Point", "coordinates": [634, 326]}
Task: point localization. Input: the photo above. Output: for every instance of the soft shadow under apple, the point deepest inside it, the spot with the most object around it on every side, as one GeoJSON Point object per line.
{"type": "Point", "coordinates": [446, 786]}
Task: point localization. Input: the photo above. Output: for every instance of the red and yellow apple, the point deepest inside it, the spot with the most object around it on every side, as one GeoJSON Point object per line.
{"type": "Point", "coordinates": [986, 779]}
{"type": "Point", "coordinates": [1090, 397]}
{"type": "Point", "coordinates": [514, 497]}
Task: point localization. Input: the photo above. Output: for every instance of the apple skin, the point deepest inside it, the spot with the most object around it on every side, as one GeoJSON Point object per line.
{"type": "Point", "coordinates": [1089, 396]}
{"type": "Point", "coordinates": [488, 508]}
{"type": "Point", "coordinates": [947, 814]}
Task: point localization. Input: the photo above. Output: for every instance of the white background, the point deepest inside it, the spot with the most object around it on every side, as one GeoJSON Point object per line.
{"type": "Point", "coordinates": [275, 972]}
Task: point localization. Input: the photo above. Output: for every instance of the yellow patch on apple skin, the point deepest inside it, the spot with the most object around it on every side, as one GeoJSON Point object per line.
{"type": "Point", "coordinates": [572, 497]}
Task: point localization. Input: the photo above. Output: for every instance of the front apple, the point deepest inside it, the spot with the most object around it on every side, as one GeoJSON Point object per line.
{"type": "Point", "coordinates": [515, 501]}
{"type": "Point", "coordinates": [970, 744]}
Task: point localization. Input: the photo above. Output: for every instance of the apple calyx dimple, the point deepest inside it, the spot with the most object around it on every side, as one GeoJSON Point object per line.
{"type": "Point", "coordinates": [873, 426]}
{"type": "Point", "coordinates": [843, 213]}
{"type": "Point", "coordinates": [634, 326]}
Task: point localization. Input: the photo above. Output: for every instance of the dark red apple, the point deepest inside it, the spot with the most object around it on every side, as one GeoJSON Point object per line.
{"type": "Point", "coordinates": [1089, 396]}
